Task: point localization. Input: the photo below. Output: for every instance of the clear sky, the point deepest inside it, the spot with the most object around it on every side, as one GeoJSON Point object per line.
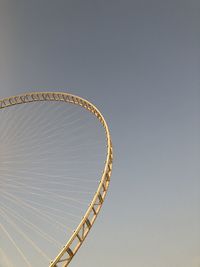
{"type": "Point", "coordinates": [139, 62]}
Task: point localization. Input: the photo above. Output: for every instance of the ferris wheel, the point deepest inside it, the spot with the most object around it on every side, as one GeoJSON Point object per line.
{"type": "Point", "coordinates": [55, 168]}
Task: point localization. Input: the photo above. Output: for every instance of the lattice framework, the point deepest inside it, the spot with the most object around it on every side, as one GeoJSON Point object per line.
{"type": "Point", "coordinates": [70, 249]}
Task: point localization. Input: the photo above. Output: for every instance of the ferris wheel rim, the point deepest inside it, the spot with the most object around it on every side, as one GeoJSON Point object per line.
{"type": "Point", "coordinates": [65, 256]}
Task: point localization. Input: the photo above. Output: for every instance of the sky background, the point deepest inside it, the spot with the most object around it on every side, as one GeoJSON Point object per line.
{"type": "Point", "coordinates": [139, 63]}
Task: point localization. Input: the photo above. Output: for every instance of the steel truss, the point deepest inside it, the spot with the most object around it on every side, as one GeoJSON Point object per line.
{"type": "Point", "coordinates": [70, 249]}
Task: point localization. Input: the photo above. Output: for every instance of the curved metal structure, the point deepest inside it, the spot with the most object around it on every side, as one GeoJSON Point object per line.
{"type": "Point", "coordinates": [72, 246]}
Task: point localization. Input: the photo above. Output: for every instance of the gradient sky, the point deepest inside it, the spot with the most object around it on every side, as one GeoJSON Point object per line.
{"type": "Point", "coordinates": [139, 63]}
